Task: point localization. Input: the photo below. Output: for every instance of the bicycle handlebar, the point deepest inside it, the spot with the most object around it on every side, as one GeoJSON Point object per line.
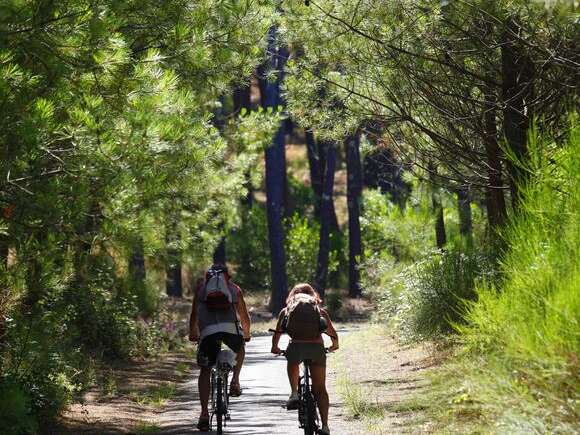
{"type": "Point", "coordinates": [283, 352]}
{"type": "Point", "coordinates": [284, 332]}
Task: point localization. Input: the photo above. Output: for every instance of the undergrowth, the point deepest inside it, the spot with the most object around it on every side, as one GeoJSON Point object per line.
{"type": "Point", "coordinates": [518, 369]}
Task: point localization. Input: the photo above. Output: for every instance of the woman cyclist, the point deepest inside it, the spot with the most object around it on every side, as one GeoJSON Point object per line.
{"type": "Point", "coordinates": [311, 348]}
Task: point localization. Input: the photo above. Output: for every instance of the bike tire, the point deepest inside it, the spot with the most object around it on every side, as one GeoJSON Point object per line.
{"type": "Point", "coordinates": [219, 406]}
{"type": "Point", "coordinates": [310, 414]}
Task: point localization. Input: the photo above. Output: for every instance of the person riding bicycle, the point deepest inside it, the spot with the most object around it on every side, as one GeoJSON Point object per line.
{"type": "Point", "coordinates": [218, 315]}
{"type": "Point", "coordinates": [306, 343]}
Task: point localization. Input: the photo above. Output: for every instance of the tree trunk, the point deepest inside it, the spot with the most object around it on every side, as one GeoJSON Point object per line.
{"type": "Point", "coordinates": [173, 282]}
{"type": "Point", "coordinates": [275, 176]}
{"type": "Point", "coordinates": [354, 189]}
{"type": "Point", "coordinates": [326, 208]}
{"type": "Point", "coordinates": [242, 98]}
{"type": "Point", "coordinates": [517, 75]}
{"type": "Point", "coordinates": [219, 255]}
{"type": "Point", "coordinates": [494, 197]}
{"type": "Point", "coordinates": [4, 249]}
{"type": "Point", "coordinates": [137, 263]}
{"type": "Point", "coordinates": [440, 235]}
{"type": "Point", "coordinates": [465, 218]}
{"type": "Point", "coordinates": [314, 166]}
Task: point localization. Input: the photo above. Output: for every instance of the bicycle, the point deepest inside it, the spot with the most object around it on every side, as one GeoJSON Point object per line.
{"type": "Point", "coordinates": [308, 418]}
{"type": "Point", "coordinates": [225, 363]}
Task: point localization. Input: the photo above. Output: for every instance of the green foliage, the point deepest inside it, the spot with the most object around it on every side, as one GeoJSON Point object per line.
{"type": "Point", "coordinates": [105, 132]}
{"type": "Point", "coordinates": [15, 409]}
{"type": "Point", "coordinates": [520, 367]}
{"type": "Point", "coordinates": [399, 235]}
{"type": "Point", "coordinates": [248, 247]}
{"type": "Point", "coordinates": [428, 299]}
{"type": "Point", "coordinates": [302, 238]}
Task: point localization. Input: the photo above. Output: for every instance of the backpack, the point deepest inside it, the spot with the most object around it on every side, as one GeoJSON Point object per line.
{"type": "Point", "coordinates": [303, 320]}
{"type": "Point", "coordinates": [216, 293]}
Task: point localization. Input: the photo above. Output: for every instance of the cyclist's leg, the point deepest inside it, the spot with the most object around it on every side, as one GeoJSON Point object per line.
{"type": "Point", "coordinates": [206, 358]}
{"type": "Point", "coordinates": [203, 384]}
{"type": "Point", "coordinates": [318, 373]}
{"type": "Point", "coordinates": [241, 354]}
{"type": "Point", "coordinates": [236, 344]}
{"type": "Point", "coordinates": [293, 375]}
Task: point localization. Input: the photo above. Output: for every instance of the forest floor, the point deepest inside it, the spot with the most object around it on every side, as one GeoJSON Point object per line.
{"type": "Point", "coordinates": [371, 380]}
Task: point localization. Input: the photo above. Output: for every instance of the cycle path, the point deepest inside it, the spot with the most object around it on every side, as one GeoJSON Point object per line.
{"type": "Point", "coordinates": [259, 411]}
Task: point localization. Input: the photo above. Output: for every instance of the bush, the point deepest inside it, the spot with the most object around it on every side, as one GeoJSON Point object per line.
{"type": "Point", "coordinates": [429, 298]}
{"type": "Point", "coordinates": [302, 239]}
{"type": "Point", "coordinates": [15, 409]}
{"type": "Point", "coordinates": [400, 235]}
{"type": "Point", "coordinates": [249, 248]}
{"type": "Point", "coordinates": [49, 351]}
{"type": "Point", "coordinates": [525, 334]}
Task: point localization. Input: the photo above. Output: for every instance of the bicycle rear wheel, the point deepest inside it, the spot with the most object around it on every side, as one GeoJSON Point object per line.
{"type": "Point", "coordinates": [310, 414]}
{"type": "Point", "coordinates": [219, 406]}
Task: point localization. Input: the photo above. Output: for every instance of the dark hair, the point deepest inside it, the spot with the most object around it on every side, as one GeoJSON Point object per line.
{"type": "Point", "coordinates": [303, 288]}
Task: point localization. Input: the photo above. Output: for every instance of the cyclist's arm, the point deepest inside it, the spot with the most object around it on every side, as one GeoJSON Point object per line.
{"type": "Point", "coordinates": [244, 315]}
{"type": "Point", "coordinates": [193, 327]}
{"type": "Point", "coordinates": [330, 331]}
{"type": "Point", "coordinates": [277, 334]}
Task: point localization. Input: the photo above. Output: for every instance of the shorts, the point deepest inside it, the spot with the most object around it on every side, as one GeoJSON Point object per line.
{"type": "Point", "coordinates": [210, 346]}
{"type": "Point", "coordinates": [298, 352]}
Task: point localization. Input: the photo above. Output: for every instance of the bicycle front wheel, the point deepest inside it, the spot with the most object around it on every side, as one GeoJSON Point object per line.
{"type": "Point", "coordinates": [219, 406]}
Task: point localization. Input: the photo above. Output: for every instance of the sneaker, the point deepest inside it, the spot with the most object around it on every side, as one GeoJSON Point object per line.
{"type": "Point", "coordinates": [203, 424]}
{"type": "Point", "coordinates": [293, 401]}
{"type": "Point", "coordinates": [324, 431]}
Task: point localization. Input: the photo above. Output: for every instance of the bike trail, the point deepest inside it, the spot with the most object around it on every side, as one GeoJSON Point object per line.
{"type": "Point", "coordinates": [259, 411]}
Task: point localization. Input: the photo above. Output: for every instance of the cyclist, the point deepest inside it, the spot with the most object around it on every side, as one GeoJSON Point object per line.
{"type": "Point", "coordinates": [218, 315]}
{"type": "Point", "coordinates": [312, 348]}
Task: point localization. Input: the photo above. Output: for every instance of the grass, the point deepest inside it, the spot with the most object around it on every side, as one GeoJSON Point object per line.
{"type": "Point", "coordinates": [369, 377]}
{"type": "Point", "coordinates": [144, 427]}
{"type": "Point", "coordinates": [182, 368]}
{"type": "Point", "coordinates": [518, 369]}
{"type": "Point", "coordinates": [156, 397]}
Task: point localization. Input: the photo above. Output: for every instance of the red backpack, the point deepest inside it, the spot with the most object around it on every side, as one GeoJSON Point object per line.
{"type": "Point", "coordinates": [217, 293]}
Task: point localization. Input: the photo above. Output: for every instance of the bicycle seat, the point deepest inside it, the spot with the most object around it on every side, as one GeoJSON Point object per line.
{"type": "Point", "coordinates": [226, 358]}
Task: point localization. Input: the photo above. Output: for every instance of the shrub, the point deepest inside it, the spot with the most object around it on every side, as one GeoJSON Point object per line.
{"type": "Point", "coordinates": [429, 298]}
{"type": "Point", "coordinates": [302, 238]}
{"type": "Point", "coordinates": [402, 235]}
{"type": "Point", "coordinates": [525, 334]}
{"type": "Point", "coordinates": [248, 247]}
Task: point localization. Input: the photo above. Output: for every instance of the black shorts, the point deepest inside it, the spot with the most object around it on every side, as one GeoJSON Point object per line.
{"type": "Point", "coordinates": [210, 346]}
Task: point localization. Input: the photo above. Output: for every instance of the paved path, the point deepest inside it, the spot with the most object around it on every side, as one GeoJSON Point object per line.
{"type": "Point", "coordinates": [259, 411]}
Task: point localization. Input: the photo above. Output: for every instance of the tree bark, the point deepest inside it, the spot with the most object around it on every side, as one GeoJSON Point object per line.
{"type": "Point", "coordinates": [315, 170]}
{"type": "Point", "coordinates": [275, 176]}
{"type": "Point", "coordinates": [219, 255]}
{"type": "Point", "coordinates": [494, 196]}
{"type": "Point", "coordinates": [326, 208]}
{"type": "Point", "coordinates": [465, 217]}
{"type": "Point", "coordinates": [137, 263]}
{"type": "Point", "coordinates": [440, 234]}
{"type": "Point", "coordinates": [4, 249]}
{"type": "Point", "coordinates": [517, 75]}
{"type": "Point", "coordinates": [354, 190]}
{"type": "Point", "coordinates": [173, 283]}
